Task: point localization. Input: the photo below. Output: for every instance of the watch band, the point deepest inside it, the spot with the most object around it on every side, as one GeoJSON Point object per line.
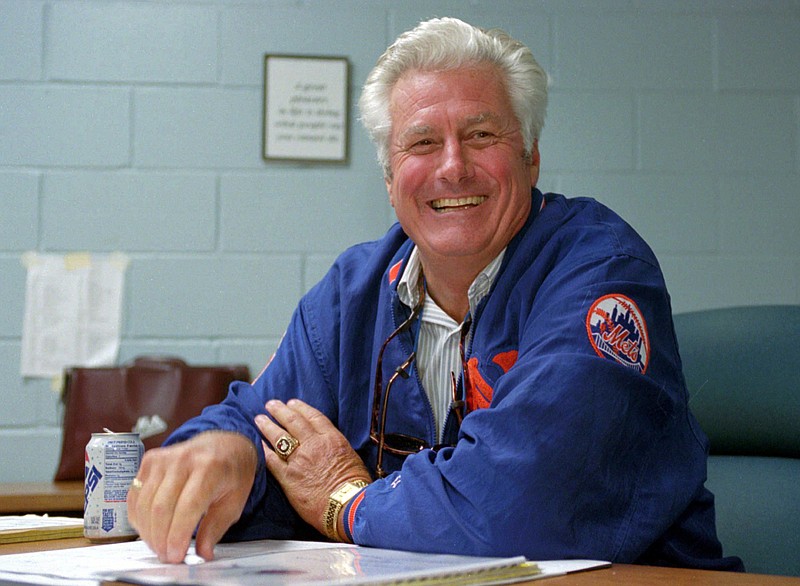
{"type": "Point", "coordinates": [338, 499]}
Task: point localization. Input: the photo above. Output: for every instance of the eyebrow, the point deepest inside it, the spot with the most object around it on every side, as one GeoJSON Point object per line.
{"type": "Point", "coordinates": [423, 129]}
{"type": "Point", "coordinates": [416, 130]}
{"type": "Point", "coordinates": [482, 117]}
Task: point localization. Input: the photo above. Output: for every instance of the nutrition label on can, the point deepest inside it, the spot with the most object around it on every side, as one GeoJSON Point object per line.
{"type": "Point", "coordinates": [121, 463]}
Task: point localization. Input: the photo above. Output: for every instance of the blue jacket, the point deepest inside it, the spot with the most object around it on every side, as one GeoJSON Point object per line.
{"type": "Point", "coordinates": [578, 442]}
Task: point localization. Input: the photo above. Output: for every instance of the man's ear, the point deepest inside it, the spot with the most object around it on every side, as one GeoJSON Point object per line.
{"type": "Point", "coordinates": [388, 183]}
{"type": "Point", "coordinates": [535, 161]}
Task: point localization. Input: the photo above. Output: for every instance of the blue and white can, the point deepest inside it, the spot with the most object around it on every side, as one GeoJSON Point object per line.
{"type": "Point", "coordinates": [112, 461]}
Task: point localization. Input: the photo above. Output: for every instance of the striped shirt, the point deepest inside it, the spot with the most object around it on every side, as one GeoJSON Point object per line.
{"type": "Point", "coordinates": [438, 353]}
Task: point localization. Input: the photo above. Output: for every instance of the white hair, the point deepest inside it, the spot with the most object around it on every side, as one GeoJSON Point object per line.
{"type": "Point", "coordinates": [442, 44]}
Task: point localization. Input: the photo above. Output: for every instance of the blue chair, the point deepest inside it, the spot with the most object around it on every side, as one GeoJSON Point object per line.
{"type": "Point", "coordinates": [742, 368]}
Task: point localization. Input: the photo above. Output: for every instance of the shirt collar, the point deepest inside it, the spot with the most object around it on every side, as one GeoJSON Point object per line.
{"type": "Point", "coordinates": [407, 287]}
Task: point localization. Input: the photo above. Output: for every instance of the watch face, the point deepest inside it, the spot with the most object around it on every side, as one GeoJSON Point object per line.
{"type": "Point", "coordinates": [344, 491]}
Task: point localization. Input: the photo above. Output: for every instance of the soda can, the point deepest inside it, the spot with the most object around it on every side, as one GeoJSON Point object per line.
{"type": "Point", "coordinates": [112, 461]}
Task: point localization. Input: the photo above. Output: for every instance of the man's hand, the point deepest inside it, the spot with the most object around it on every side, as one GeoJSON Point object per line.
{"type": "Point", "coordinates": [322, 461]}
{"type": "Point", "coordinates": [204, 480]}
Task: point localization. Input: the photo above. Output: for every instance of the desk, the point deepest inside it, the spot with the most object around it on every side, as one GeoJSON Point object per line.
{"type": "Point", "coordinates": [18, 498]}
{"type": "Point", "coordinates": [615, 575]}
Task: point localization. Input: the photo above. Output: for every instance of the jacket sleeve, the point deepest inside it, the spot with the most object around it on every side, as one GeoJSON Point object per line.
{"type": "Point", "coordinates": [576, 456]}
{"type": "Point", "coordinates": [267, 513]}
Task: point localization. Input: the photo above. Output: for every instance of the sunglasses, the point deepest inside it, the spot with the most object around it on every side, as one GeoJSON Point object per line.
{"type": "Point", "coordinates": [398, 443]}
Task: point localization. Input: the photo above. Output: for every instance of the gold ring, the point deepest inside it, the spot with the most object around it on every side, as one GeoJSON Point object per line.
{"type": "Point", "coordinates": [285, 445]}
{"type": "Point", "coordinates": [136, 484]}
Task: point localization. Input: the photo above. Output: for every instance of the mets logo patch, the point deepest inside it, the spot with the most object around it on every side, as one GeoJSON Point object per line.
{"type": "Point", "coordinates": [617, 330]}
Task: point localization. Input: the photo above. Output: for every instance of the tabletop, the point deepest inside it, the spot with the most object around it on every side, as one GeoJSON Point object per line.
{"type": "Point", "coordinates": [17, 498]}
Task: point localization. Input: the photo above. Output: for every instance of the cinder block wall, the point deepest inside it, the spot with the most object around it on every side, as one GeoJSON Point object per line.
{"type": "Point", "coordinates": [135, 126]}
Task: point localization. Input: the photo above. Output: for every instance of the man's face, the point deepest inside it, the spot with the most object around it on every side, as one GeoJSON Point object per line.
{"type": "Point", "coordinates": [460, 183]}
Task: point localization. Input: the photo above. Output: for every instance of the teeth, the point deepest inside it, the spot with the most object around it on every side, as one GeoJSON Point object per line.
{"type": "Point", "coordinates": [439, 204]}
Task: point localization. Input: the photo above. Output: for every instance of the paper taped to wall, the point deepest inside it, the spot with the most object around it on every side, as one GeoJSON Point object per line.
{"type": "Point", "coordinates": [73, 311]}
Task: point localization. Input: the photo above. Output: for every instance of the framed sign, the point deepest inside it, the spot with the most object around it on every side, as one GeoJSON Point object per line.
{"type": "Point", "coordinates": [306, 108]}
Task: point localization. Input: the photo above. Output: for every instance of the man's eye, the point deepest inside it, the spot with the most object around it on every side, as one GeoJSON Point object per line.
{"type": "Point", "coordinates": [423, 145]}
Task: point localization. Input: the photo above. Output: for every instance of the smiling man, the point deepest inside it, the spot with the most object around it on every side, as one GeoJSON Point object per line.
{"type": "Point", "coordinates": [498, 375]}
{"type": "Point", "coordinates": [460, 177]}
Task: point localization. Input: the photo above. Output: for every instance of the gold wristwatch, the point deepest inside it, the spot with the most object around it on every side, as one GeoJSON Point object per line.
{"type": "Point", "coordinates": [338, 499]}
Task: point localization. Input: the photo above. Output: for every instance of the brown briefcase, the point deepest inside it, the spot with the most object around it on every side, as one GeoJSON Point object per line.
{"type": "Point", "coordinates": [155, 393]}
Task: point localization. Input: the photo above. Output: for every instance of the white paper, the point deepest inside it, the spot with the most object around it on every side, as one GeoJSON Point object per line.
{"type": "Point", "coordinates": [73, 311]}
{"type": "Point", "coordinates": [23, 522]}
{"type": "Point", "coordinates": [339, 566]}
{"type": "Point", "coordinates": [560, 567]}
{"type": "Point", "coordinates": [88, 566]}
{"type": "Point", "coordinates": [258, 563]}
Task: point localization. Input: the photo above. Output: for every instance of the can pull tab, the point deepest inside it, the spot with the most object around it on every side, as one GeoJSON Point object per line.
{"type": "Point", "coordinates": [108, 430]}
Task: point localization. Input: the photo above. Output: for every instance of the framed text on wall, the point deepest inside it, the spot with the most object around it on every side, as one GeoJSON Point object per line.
{"type": "Point", "coordinates": [306, 108]}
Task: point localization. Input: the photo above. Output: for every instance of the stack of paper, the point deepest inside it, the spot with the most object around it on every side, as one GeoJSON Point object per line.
{"type": "Point", "coordinates": [274, 563]}
{"type": "Point", "coordinates": [342, 565]}
{"type": "Point", "coordinates": [16, 529]}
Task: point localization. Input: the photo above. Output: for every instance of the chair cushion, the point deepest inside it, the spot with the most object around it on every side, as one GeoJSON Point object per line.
{"type": "Point", "coordinates": [742, 368]}
{"type": "Point", "coordinates": [758, 511]}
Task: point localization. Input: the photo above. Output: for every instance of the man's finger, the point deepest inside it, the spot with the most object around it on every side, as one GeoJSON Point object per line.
{"type": "Point", "coordinates": [275, 464]}
{"type": "Point", "coordinates": [290, 419]}
{"type": "Point", "coordinates": [140, 499]}
{"type": "Point", "coordinates": [131, 501]}
{"type": "Point", "coordinates": [189, 505]}
{"type": "Point", "coordinates": [315, 418]}
{"type": "Point", "coordinates": [220, 516]}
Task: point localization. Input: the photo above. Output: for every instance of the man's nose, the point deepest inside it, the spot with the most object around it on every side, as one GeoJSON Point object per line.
{"type": "Point", "coordinates": [455, 165]}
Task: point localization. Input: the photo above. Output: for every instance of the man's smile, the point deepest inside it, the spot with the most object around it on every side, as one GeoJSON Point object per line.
{"type": "Point", "coordinates": [455, 203]}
